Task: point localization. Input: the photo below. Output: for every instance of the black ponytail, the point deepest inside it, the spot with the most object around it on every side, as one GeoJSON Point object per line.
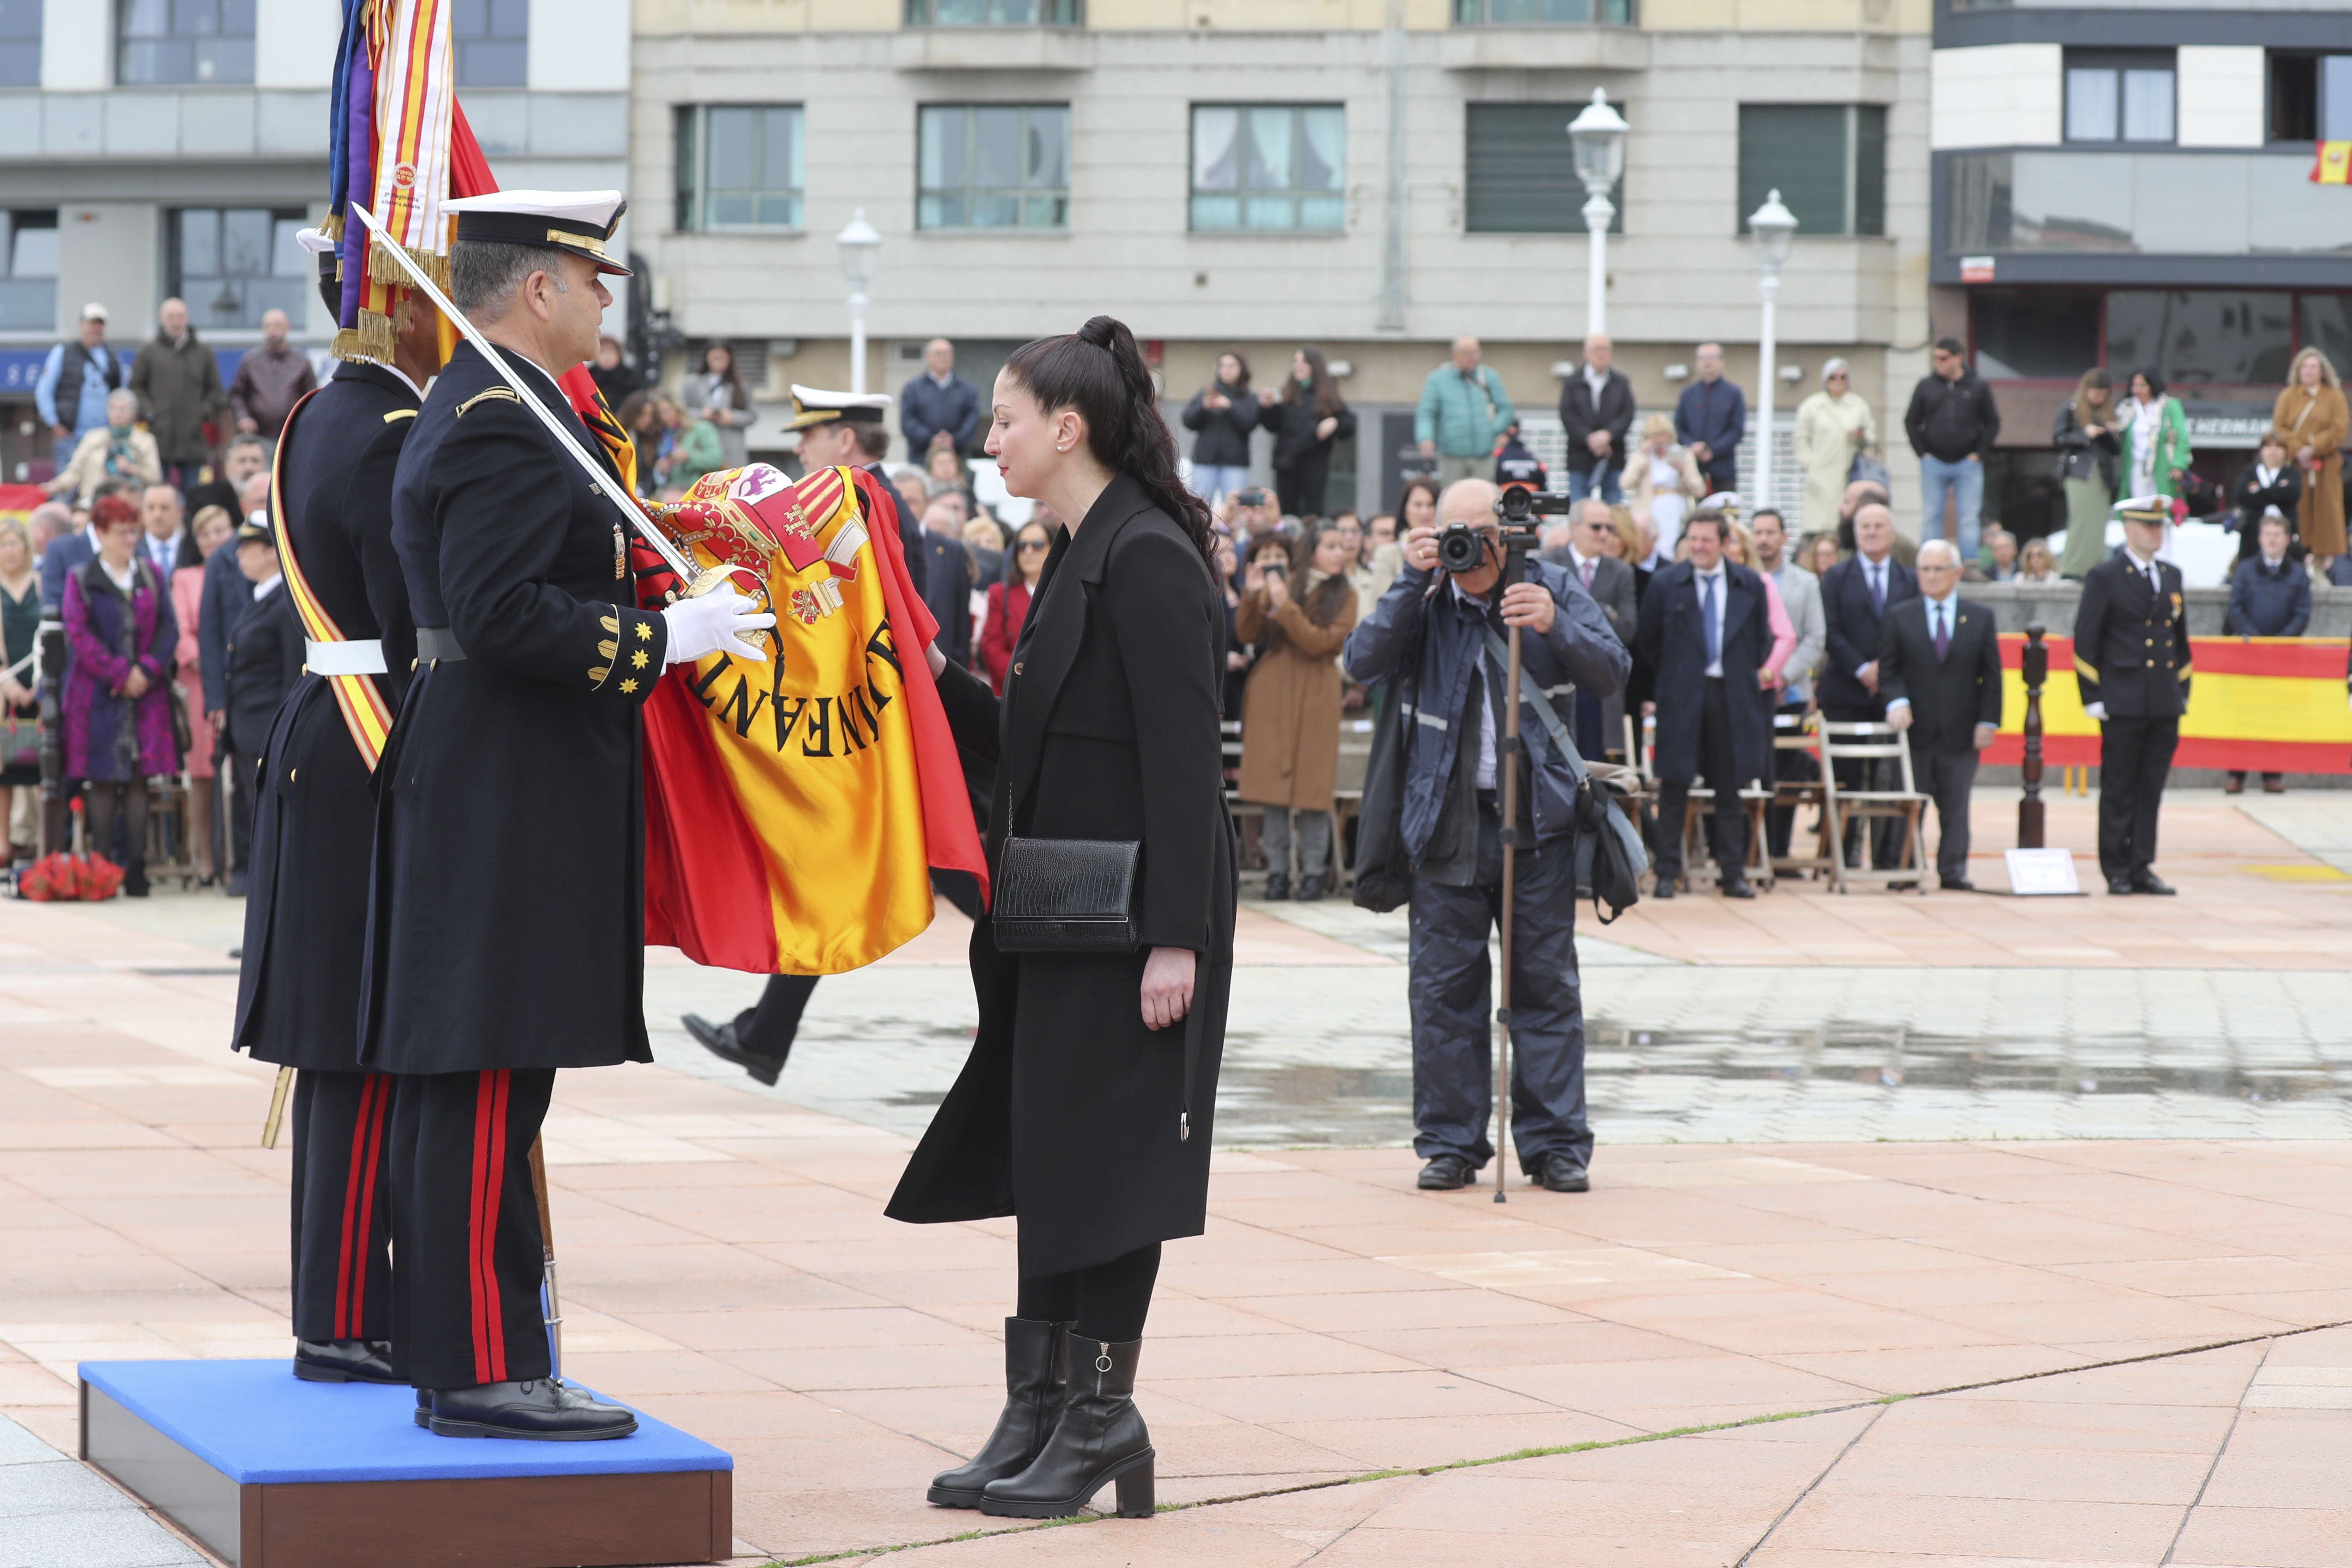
{"type": "Point", "coordinates": [1098, 371]}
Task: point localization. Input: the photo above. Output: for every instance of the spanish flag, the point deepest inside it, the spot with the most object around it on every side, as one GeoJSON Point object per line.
{"type": "Point", "coordinates": [2334, 165]}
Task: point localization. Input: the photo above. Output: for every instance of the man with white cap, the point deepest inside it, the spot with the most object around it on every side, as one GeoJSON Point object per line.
{"type": "Point", "coordinates": [74, 381]}
{"type": "Point", "coordinates": [2132, 671]}
{"type": "Point", "coordinates": [506, 934]}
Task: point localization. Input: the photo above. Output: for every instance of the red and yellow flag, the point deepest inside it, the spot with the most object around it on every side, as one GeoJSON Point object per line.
{"type": "Point", "coordinates": [2334, 165]}
{"type": "Point", "coordinates": [795, 804]}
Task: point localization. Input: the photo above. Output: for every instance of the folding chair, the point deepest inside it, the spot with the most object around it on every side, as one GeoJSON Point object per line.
{"type": "Point", "coordinates": [1752, 796]}
{"type": "Point", "coordinates": [1871, 744]}
{"type": "Point", "coordinates": [1795, 733]}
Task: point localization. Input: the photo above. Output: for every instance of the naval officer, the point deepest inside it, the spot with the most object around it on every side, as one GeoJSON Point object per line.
{"type": "Point", "coordinates": [314, 819]}
{"type": "Point", "coordinates": [2131, 662]}
{"type": "Point", "coordinates": [506, 928]}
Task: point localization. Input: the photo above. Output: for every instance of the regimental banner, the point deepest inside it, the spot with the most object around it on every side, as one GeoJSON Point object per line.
{"type": "Point", "coordinates": [2255, 705]}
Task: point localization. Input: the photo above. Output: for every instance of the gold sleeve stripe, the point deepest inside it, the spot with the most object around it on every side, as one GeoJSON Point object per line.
{"type": "Point", "coordinates": [2083, 667]}
{"type": "Point", "coordinates": [2184, 672]}
{"type": "Point", "coordinates": [607, 650]}
{"type": "Point", "coordinates": [487, 395]}
{"type": "Point", "coordinates": [399, 413]}
{"type": "Point", "coordinates": [610, 622]}
{"type": "Point", "coordinates": [598, 675]}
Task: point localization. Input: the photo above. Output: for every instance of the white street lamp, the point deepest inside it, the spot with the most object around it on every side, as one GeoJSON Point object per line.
{"type": "Point", "coordinates": [1599, 137]}
{"type": "Point", "coordinates": [1774, 228]}
{"type": "Point", "coordinates": [861, 254]}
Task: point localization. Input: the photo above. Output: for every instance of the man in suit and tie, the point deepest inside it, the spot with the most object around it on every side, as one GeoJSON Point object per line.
{"type": "Point", "coordinates": [1699, 664]}
{"type": "Point", "coordinates": [1596, 410]}
{"type": "Point", "coordinates": [1939, 670]}
{"type": "Point", "coordinates": [1600, 721]}
{"type": "Point", "coordinates": [1856, 597]}
{"type": "Point", "coordinates": [2131, 662]}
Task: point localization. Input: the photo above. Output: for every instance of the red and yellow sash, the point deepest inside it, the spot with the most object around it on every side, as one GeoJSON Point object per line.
{"type": "Point", "coordinates": [365, 713]}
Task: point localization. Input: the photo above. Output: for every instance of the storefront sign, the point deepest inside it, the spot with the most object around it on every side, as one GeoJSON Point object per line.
{"type": "Point", "coordinates": [2226, 424]}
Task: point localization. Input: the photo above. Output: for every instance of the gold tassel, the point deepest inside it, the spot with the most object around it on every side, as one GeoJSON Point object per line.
{"type": "Point", "coordinates": [371, 340]}
{"type": "Point", "coordinates": [383, 268]}
{"type": "Point", "coordinates": [331, 227]}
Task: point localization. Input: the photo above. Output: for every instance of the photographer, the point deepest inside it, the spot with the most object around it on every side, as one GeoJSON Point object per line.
{"type": "Point", "coordinates": [1429, 632]}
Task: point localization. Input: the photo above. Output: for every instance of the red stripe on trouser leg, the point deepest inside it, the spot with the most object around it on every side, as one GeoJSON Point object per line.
{"type": "Point", "coordinates": [351, 1209]}
{"type": "Point", "coordinates": [368, 1249]}
{"type": "Point", "coordinates": [480, 1286]}
{"type": "Point", "coordinates": [492, 1201]}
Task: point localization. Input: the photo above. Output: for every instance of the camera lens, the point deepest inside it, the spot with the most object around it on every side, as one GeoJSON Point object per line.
{"type": "Point", "coordinates": [1459, 548]}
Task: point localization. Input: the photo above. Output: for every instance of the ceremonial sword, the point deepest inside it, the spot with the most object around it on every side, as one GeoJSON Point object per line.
{"type": "Point", "coordinates": [699, 579]}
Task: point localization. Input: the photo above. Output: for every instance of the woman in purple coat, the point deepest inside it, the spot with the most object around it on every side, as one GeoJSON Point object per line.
{"type": "Point", "coordinates": [117, 710]}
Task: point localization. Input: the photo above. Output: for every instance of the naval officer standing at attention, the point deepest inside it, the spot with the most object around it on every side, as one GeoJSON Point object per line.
{"type": "Point", "coordinates": [2131, 663]}
{"type": "Point", "coordinates": [506, 936]}
{"type": "Point", "coordinates": [313, 821]}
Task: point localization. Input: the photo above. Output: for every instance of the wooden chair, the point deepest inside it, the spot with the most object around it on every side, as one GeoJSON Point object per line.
{"type": "Point", "coordinates": [1753, 797]}
{"type": "Point", "coordinates": [1796, 734]}
{"type": "Point", "coordinates": [1871, 744]}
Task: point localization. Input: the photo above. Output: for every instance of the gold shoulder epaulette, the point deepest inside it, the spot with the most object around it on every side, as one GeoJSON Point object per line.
{"type": "Point", "coordinates": [399, 413]}
{"type": "Point", "coordinates": [486, 393]}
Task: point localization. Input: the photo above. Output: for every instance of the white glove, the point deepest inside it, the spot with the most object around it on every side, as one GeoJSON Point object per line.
{"type": "Point", "coordinates": [718, 622]}
{"type": "Point", "coordinates": [2095, 710]}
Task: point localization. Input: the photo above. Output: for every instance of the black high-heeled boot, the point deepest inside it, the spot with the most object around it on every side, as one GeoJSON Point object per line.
{"type": "Point", "coordinates": [1036, 1365]}
{"type": "Point", "coordinates": [1099, 1438]}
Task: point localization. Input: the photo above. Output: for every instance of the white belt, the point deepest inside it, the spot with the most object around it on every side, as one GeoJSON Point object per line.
{"type": "Point", "coordinates": [363, 655]}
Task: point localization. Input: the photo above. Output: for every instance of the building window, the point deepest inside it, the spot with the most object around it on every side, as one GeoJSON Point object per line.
{"type": "Point", "coordinates": [2211, 337]}
{"type": "Point", "coordinates": [178, 43]}
{"type": "Point", "coordinates": [2311, 97]}
{"type": "Point", "coordinates": [233, 264]}
{"type": "Point", "coordinates": [2119, 95]}
{"type": "Point", "coordinates": [20, 43]}
{"type": "Point", "coordinates": [738, 166]}
{"type": "Point", "coordinates": [1828, 161]}
{"type": "Point", "coordinates": [1269, 167]}
{"type": "Point", "coordinates": [1519, 172]}
{"type": "Point", "coordinates": [993, 13]}
{"type": "Point", "coordinates": [28, 269]}
{"type": "Point", "coordinates": [994, 166]}
{"type": "Point", "coordinates": [1613, 12]}
{"type": "Point", "coordinates": [2033, 334]}
{"type": "Point", "coordinates": [492, 39]}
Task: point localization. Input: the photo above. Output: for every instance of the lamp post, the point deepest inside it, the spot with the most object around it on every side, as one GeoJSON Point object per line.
{"type": "Point", "coordinates": [861, 253]}
{"type": "Point", "coordinates": [1774, 227]}
{"type": "Point", "coordinates": [1597, 135]}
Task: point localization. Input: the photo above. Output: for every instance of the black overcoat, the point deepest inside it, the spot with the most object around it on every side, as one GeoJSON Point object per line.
{"type": "Point", "coordinates": [506, 920]}
{"type": "Point", "coordinates": [1853, 625]}
{"type": "Point", "coordinates": [1067, 1111]}
{"type": "Point", "coordinates": [297, 995]}
{"type": "Point", "coordinates": [2131, 643]}
{"type": "Point", "coordinates": [1951, 696]}
{"type": "Point", "coordinates": [1670, 670]}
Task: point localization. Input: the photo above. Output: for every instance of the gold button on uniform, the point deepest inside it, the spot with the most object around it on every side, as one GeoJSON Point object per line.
{"type": "Point", "coordinates": [1016, 668]}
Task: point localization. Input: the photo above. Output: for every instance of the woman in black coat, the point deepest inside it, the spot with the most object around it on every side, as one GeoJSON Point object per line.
{"type": "Point", "coordinates": [1307, 420]}
{"type": "Point", "coordinates": [1085, 1108]}
{"type": "Point", "coordinates": [2270, 480]}
{"type": "Point", "coordinates": [1224, 414]}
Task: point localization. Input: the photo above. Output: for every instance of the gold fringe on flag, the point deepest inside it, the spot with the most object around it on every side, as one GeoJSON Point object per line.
{"type": "Point", "coordinates": [332, 226]}
{"type": "Point", "coordinates": [383, 268]}
{"type": "Point", "coordinates": [371, 340]}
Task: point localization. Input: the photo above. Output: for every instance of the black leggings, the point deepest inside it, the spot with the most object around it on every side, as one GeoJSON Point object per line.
{"type": "Point", "coordinates": [100, 805]}
{"type": "Point", "coordinates": [1107, 1300]}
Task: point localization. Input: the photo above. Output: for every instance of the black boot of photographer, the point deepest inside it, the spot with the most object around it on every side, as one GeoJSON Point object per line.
{"type": "Point", "coordinates": [1100, 1438]}
{"type": "Point", "coordinates": [1036, 1368]}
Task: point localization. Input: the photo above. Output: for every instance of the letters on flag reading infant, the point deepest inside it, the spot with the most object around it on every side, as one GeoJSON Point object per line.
{"type": "Point", "coordinates": [827, 746]}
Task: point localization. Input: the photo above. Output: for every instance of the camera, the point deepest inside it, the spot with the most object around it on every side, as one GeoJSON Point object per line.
{"type": "Point", "coordinates": [1460, 547]}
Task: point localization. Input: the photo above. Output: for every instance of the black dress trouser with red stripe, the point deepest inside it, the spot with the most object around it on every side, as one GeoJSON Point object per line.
{"type": "Point", "coordinates": [342, 1205]}
{"type": "Point", "coordinates": [465, 1310]}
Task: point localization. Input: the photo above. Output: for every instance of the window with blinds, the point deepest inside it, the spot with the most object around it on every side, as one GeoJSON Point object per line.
{"type": "Point", "coordinates": [1828, 161]}
{"type": "Point", "coordinates": [1519, 172]}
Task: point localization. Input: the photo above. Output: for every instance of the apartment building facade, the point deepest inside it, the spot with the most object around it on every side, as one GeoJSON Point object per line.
{"type": "Point", "coordinates": [2128, 186]}
{"type": "Point", "coordinates": [1373, 176]}
{"type": "Point", "coordinates": [150, 148]}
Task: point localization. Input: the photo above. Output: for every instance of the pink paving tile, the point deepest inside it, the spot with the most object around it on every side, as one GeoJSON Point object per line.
{"type": "Point", "coordinates": [1365, 1311]}
{"type": "Point", "coordinates": [2293, 1460]}
{"type": "Point", "coordinates": [1410, 1442]}
{"type": "Point", "coordinates": [2265, 1538]}
{"type": "Point", "coordinates": [1278, 1399]}
{"type": "Point", "coordinates": [1563, 1343]}
{"type": "Point", "coordinates": [813, 1327]}
{"type": "Point", "coordinates": [2015, 1526]}
{"type": "Point", "coordinates": [1613, 1389]}
{"type": "Point", "coordinates": [1912, 1470]}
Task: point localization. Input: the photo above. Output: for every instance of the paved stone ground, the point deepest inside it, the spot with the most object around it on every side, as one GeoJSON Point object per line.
{"type": "Point", "coordinates": [2087, 1305]}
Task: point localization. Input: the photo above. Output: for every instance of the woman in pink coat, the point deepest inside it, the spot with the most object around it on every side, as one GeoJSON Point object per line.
{"type": "Point", "coordinates": [210, 528]}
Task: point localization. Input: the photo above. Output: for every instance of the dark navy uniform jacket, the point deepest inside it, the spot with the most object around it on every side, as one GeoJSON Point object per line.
{"type": "Point", "coordinates": [314, 816]}
{"type": "Point", "coordinates": [2131, 640]}
{"type": "Point", "coordinates": [506, 919]}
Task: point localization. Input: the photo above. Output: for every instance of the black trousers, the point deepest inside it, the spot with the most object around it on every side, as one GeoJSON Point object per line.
{"type": "Point", "coordinates": [342, 1205]}
{"type": "Point", "coordinates": [466, 1303]}
{"type": "Point", "coordinates": [246, 768]}
{"type": "Point", "coordinates": [1948, 778]}
{"type": "Point", "coordinates": [1300, 490]}
{"type": "Point", "coordinates": [1729, 830]}
{"type": "Point", "coordinates": [1107, 1301]}
{"type": "Point", "coordinates": [766, 1030]}
{"type": "Point", "coordinates": [2135, 758]}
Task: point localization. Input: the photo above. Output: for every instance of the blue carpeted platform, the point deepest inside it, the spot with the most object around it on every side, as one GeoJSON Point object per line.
{"type": "Point", "coordinates": [260, 1425]}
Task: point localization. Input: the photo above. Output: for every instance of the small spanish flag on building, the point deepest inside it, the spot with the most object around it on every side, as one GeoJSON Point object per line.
{"type": "Point", "coordinates": [2334, 165]}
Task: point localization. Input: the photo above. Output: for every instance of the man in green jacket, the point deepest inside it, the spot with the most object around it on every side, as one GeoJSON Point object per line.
{"type": "Point", "coordinates": [1464, 409]}
{"type": "Point", "coordinates": [178, 381]}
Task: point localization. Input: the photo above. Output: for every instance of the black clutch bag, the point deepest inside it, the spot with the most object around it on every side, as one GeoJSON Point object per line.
{"type": "Point", "coordinates": [1068, 895]}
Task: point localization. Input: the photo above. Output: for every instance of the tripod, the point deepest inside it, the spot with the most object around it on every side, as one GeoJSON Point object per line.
{"type": "Point", "coordinates": [1517, 541]}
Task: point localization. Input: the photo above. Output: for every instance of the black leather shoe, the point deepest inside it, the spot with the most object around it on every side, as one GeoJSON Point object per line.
{"type": "Point", "coordinates": [1560, 1174]}
{"type": "Point", "coordinates": [1036, 1369]}
{"type": "Point", "coordinates": [425, 1407]}
{"type": "Point", "coordinates": [1310, 890]}
{"type": "Point", "coordinates": [1277, 887]}
{"type": "Point", "coordinates": [1099, 1437]}
{"type": "Point", "coordinates": [1665, 889]}
{"type": "Point", "coordinates": [1447, 1173]}
{"type": "Point", "coordinates": [2149, 882]}
{"type": "Point", "coordinates": [345, 1360]}
{"type": "Point", "coordinates": [540, 1410]}
{"type": "Point", "coordinates": [1739, 889]}
{"type": "Point", "coordinates": [2121, 886]}
{"type": "Point", "coordinates": [719, 1039]}
{"type": "Point", "coordinates": [1959, 885]}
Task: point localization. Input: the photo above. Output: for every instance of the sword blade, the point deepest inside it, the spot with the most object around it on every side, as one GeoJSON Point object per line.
{"type": "Point", "coordinates": [676, 559]}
